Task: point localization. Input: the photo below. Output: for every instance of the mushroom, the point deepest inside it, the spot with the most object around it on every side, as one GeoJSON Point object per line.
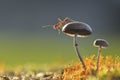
{"type": "Point", "coordinates": [77, 29]}
{"type": "Point", "coordinates": [100, 43]}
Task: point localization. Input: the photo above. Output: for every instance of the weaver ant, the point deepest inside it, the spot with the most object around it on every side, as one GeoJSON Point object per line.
{"type": "Point", "coordinates": [60, 23]}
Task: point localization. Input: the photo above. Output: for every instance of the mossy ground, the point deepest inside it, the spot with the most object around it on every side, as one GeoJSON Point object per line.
{"type": "Point", "coordinates": [109, 69]}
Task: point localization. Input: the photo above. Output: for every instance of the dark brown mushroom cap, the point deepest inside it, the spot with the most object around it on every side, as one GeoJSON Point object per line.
{"type": "Point", "coordinates": [101, 43]}
{"type": "Point", "coordinates": [79, 28]}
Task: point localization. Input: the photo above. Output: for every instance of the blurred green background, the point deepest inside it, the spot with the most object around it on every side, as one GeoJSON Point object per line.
{"type": "Point", "coordinates": [23, 41]}
{"type": "Point", "coordinates": [50, 49]}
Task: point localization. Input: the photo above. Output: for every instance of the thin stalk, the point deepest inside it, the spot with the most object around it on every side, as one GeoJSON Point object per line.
{"type": "Point", "coordinates": [77, 51]}
{"type": "Point", "coordinates": [98, 58]}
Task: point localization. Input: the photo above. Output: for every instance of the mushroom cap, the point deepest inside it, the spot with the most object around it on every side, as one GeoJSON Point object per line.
{"type": "Point", "coordinates": [100, 43]}
{"type": "Point", "coordinates": [79, 28]}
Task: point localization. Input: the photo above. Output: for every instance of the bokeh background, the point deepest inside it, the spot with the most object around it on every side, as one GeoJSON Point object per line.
{"type": "Point", "coordinates": [23, 40]}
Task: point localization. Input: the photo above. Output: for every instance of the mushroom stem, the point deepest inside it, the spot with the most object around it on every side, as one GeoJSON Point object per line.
{"type": "Point", "coordinates": [98, 58]}
{"type": "Point", "coordinates": [77, 51]}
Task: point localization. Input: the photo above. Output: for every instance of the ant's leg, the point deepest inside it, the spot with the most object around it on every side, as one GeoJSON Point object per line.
{"type": "Point", "coordinates": [58, 31]}
{"type": "Point", "coordinates": [59, 19]}
{"type": "Point", "coordinates": [71, 19]}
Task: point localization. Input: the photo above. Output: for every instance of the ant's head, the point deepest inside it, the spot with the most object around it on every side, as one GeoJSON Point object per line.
{"type": "Point", "coordinates": [58, 25]}
{"type": "Point", "coordinates": [55, 26]}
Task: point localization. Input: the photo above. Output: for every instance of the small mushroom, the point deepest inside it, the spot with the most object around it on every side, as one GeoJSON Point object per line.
{"type": "Point", "coordinates": [100, 43]}
{"type": "Point", "coordinates": [77, 29]}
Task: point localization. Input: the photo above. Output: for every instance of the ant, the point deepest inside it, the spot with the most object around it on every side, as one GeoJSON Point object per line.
{"type": "Point", "coordinates": [60, 23]}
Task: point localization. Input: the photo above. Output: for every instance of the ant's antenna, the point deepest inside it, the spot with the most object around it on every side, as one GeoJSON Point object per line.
{"type": "Point", "coordinates": [46, 26]}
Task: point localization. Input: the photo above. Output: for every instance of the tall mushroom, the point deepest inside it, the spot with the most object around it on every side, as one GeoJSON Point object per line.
{"type": "Point", "coordinates": [77, 29]}
{"type": "Point", "coordinates": [100, 43]}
